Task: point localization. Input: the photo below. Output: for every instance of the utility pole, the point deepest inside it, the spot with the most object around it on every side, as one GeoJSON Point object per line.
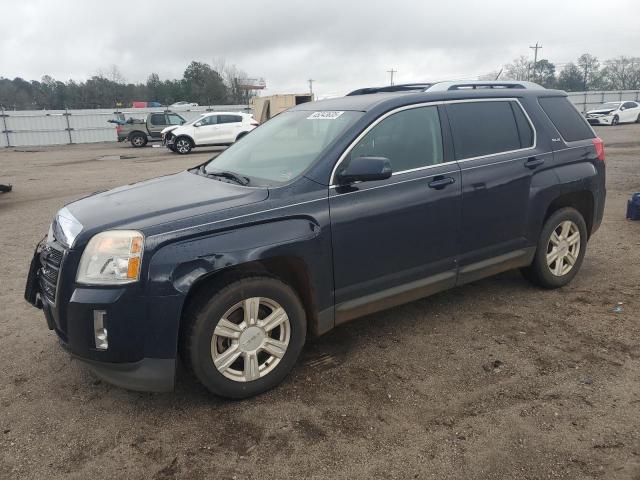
{"type": "Point", "coordinates": [391, 72]}
{"type": "Point", "coordinates": [535, 58]}
{"type": "Point", "coordinates": [311, 87]}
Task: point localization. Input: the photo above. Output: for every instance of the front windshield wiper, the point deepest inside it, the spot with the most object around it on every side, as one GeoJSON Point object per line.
{"type": "Point", "coordinates": [240, 179]}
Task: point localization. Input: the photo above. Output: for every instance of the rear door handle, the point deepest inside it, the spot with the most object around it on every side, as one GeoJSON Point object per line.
{"type": "Point", "coordinates": [440, 182]}
{"type": "Point", "coordinates": [533, 162]}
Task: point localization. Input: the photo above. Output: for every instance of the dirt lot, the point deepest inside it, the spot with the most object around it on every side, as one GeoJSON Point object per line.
{"type": "Point", "coordinates": [496, 379]}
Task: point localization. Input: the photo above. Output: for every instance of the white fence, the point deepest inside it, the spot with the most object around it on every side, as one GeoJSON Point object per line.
{"type": "Point", "coordinates": [59, 127]}
{"type": "Point", "coordinates": [586, 101]}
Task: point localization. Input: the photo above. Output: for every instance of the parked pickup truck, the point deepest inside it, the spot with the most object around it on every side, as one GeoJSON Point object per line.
{"type": "Point", "coordinates": [140, 131]}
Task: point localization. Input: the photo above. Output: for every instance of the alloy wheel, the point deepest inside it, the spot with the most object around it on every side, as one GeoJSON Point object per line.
{"type": "Point", "coordinates": [138, 141]}
{"type": "Point", "coordinates": [563, 248]}
{"type": "Point", "coordinates": [183, 145]}
{"type": "Point", "coordinates": [250, 339]}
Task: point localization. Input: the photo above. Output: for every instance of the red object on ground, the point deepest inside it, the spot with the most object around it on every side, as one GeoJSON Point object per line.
{"type": "Point", "coordinates": [139, 104]}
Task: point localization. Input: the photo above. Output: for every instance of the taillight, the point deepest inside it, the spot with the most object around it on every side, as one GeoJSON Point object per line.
{"type": "Point", "coordinates": [118, 128]}
{"type": "Point", "coordinates": [599, 144]}
{"type": "Point", "coordinates": [254, 123]}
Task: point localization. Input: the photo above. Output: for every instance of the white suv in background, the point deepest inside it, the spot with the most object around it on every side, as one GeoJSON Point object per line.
{"type": "Point", "coordinates": [613, 113]}
{"type": "Point", "coordinates": [215, 128]}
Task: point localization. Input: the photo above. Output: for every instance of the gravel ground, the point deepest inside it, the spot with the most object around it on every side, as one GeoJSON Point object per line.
{"type": "Point", "coordinates": [496, 379]}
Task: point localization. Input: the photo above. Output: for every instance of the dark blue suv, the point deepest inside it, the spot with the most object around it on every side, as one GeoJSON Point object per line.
{"type": "Point", "coordinates": [329, 211]}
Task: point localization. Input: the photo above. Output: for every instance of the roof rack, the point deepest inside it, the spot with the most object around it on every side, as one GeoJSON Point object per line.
{"type": "Point", "coordinates": [445, 86]}
{"type": "Point", "coordinates": [481, 84]}
{"type": "Point", "coordinates": [405, 87]}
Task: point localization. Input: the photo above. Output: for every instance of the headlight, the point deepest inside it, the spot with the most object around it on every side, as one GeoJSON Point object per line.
{"type": "Point", "coordinates": [65, 227]}
{"type": "Point", "coordinates": [112, 258]}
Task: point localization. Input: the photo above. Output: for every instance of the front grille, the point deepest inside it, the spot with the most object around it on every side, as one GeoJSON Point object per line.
{"type": "Point", "coordinates": [51, 261]}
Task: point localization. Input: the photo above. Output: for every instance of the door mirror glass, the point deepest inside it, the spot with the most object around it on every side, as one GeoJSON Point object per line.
{"type": "Point", "coordinates": [365, 169]}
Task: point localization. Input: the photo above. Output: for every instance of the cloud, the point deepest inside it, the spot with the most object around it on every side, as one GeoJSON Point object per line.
{"type": "Point", "coordinates": [342, 45]}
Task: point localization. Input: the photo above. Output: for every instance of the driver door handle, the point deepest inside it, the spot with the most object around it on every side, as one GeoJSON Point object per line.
{"type": "Point", "coordinates": [441, 182]}
{"type": "Point", "coordinates": [533, 162]}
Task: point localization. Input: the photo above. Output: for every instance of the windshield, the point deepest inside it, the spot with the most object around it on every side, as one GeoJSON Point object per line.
{"type": "Point", "coordinates": [609, 106]}
{"type": "Point", "coordinates": [283, 147]}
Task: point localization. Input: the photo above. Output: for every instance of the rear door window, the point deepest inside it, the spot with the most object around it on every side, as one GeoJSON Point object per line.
{"type": "Point", "coordinates": [487, 128]}
{"type": "Point", "coordinates": [409, 139]}
{"type": "Point", "coordinates": [158, 119]}
{"type": "Point", "coordinates": [566, 119]}
{"type": "Point", "coordinates": [229, 119]}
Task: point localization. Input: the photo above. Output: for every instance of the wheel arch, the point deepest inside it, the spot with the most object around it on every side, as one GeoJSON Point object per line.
{"type": "Point", "coordinates": [291, 270]}
{"type": "Point", "coordinates": [188, 137]}
{"type": "Point", "coordinates": [138, 132]}
{"type": "Point", "coordinates": [244, 133]}
{"type": "Point", "coordinates": [582, 200]}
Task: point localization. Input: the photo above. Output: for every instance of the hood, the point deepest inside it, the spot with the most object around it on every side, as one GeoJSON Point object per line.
{"type": "Point", "coordinates": [160, 200]}
{"type": "Point", "coordinates": [601, 112]}
{"type": "Point", "coordinates": [169, 129]}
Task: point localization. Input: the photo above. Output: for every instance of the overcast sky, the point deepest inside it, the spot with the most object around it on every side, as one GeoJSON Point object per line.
{"type": "Point", "coordinates": [341, 44]}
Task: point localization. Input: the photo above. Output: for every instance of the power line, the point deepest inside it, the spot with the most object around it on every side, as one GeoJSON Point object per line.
{"type": "Point", "coordinates": [535, 58]}
{"type": "Point", "coordinates": [391, 72]}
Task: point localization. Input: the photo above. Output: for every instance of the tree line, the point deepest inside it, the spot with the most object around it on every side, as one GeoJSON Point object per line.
{"type": "Point", "coordinates": [586, 73]}
{"type": "Point", "coordinates": [200, 83]}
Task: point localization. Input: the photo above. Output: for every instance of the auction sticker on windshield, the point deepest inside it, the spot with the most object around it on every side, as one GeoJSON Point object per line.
{"type": "Point", "coordinates": [328, 115]}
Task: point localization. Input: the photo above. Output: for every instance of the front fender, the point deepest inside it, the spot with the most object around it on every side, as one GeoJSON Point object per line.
{"type": "Point", "coordinates": [176, 267]}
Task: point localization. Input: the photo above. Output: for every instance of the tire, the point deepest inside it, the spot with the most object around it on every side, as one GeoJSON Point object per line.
{"type": "Point", "coordinates": [219, 326]}
{"type": "Point", "coordinates": [555, 274]}
{"type": "Point", "coordinates": [138, 140]}
{"type": "Point", "coordinates": [638, 119]}
{"type": "Point", "coordinates": [615, 121]}
{"type": "Point", "coordinates": [182, 145]}
{"type": "Point", "coordinates": [240, 135]}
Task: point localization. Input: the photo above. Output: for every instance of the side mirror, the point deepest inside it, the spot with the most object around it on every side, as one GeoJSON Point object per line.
{"type": "Point", "coordinates": [365, 169]}
{"type": "Point", "coordinates": [197, 124]}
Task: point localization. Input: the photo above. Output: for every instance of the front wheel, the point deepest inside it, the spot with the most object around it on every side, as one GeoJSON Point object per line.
{"type": "Point", "coordinates": [615, 121]}
{"type": "Point", "coordinates": [560, 250]}
{"type": "Point", "coordinates": [183, 145]}
{"type": "Point", "coordinates": [246, 337]}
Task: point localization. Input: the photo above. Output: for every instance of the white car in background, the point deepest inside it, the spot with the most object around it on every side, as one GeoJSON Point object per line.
{"type": "Point", "coordinates": [185, 105]}
{"type": "Point", "coordinates": [613, 113]}
{"type": "Point", "coordinates": [215, 128]}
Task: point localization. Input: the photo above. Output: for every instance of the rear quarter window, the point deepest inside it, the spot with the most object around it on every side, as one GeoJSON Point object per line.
{"type": "Point", "coordinates": [566, 119]}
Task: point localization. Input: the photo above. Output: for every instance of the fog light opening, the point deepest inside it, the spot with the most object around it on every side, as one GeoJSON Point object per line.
{"type": "Point", "coordinates": [99, 330]}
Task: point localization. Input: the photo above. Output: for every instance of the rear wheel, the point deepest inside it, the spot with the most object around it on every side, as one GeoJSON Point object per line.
{"type": "Point", "coordinates": [246, 337]}
{"type": "Point", "coordinates": [182, 145]}
{"type": "Point", "coordinates": [240, 135]}
{"type": "Point", "coordinates": [138, 140]}
{"type": "Point", "coordinates": [615, 121]}
{"type": "Point", "coordinates": [560, 250]}
{"type": "Point", "coordinates": [638, 119]}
